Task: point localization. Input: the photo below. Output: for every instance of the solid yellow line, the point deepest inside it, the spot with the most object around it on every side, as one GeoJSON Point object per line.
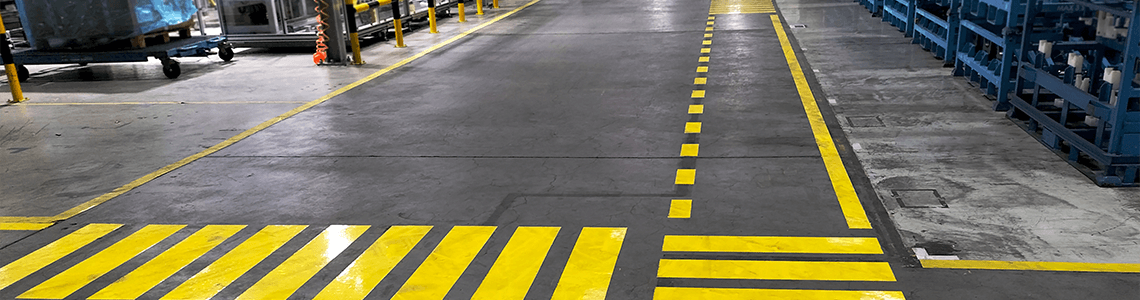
{"type": "Point", "coordinates": [775, 270]}
{"type": "Point", "coordinates": [680, 208]}
{"type": "Point", "coordinates": [38, 259]}
{"type": "Point", "coordinates": [153, 103]}
{"type": "Point", "coordinates": [356, 281]}
{"type": "Point", "coordinates": [840, 181]}
{"type": "Point", "coordinates": [702, 69]}
{"type": "Point", "coordinates": [690, 149]}
{"type": "Point", "coordinates": [698, 94]}
{"type": "Point", "coordinates": [771, 244]}
{"type": "Point", "coordinates": [692, 127]}
{"type": "Point", "coordinates": [591, 264]}
{"type": "Point", "coordinates": [1031, 266]}
{"type": "Point", "coordinates": [689, 293]}
{"type": "Point", "coordinates": [287, 277]}
{"type": "Point", "coordinates": [230, 141]}
{"type": "Point", "coordinates": [435, 276]}
{"type": "Point", "coordinates": [24, 226]}
{"type": "Point", "coordinates": [686, 176]}
{"type": "Point", "coordinates": [74, 278]}
{"type": "Point", "coordinates": [150, 274]}
{"type": "Point", "coordinates": [513, 272]}
{"type": "Point", "coordinates": [700, 80]}
{"type": "Point", "coordinates": [233, 264]}
{"type": "Point", "coordinates": [696, 109]}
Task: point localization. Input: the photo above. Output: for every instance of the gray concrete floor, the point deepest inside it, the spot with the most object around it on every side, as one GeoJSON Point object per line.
{"type": "Point", "coordinates": [568, 113]}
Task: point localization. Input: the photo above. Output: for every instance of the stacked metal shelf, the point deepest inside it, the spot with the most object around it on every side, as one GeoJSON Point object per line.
{"type": "Point", "coordinates": [936, 28]}
{"type": "Point", "coordinates": [875, 6]}
{"type": "Point", "coordinates": [900, 13]}
{"type": "Point", "coordinates": [1079, 95]}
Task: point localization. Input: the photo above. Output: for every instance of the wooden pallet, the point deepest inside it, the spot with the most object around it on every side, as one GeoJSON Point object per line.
{"type": "Point", "coordinates": [182, 29]}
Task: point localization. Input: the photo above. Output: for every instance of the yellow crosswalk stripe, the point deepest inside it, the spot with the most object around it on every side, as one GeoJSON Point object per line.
{"type": "Point", "coordinates": [591, 264]}
{"type": "Point", "coordinates": [287, 277]}
{"type": "Point", "coordinates": [233, 264]}
{"type": "Point", "coordinates": [150, 274]}
{"type": "Point", "coordinates": [435, 276]}
{"type": "Point", "coordinates": [356, 281]}
{"type": "Point", "coordinates": [689, 293]}
{"type": "Point", "coordinates": [74, 278]}
{"type": "Point", "coordinates": [514, 271]}
{"type": "Point", "coordinates": [38, 259]}
{"type": "Point", "coordinates": [771, 244]}
{"type": "Point", "coordinates": [775, 270]}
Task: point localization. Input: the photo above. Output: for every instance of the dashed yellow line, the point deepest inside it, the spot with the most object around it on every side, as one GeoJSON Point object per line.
{"type": "Point", "coordinates": [702, 69]}
{"type": "Point", "coordinates": [840, 181]}
{"type": "Point", "coordinates": [680, 208]}
{"type": "Point", "coordinates": [686, 176]}
{"type": "Point", "coordinates": [709, 23]}
{"type": "Point", "coordinates": [698, 94]}
{"type": "Point", "coordinates": [706, 50]}
{"type": "Point", "coordinates": [696, 109]}
{"type": "Point", "coordinates": [709, 28]}
{"type": "Point", "coordinates": [690, 150]}
{"type": "Point", "coordinates": [708, 35]}
{"type": "Point", "coordinates": [703, 59]}
{"type": "Point", "coordinates": [706, 42]}
{"type": "Point", "coordinates": [700, 80]}
{"type": "Point", "coordinates": [692, 127]}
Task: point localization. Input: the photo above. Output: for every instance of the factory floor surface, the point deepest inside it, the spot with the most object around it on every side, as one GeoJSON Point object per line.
{"type": "Point", "coordinates": [552, 149]}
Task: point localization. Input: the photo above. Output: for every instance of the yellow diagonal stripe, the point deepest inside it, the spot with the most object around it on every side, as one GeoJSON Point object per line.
{"type": "Point", "coordinates": [771, 244]}
{"type": "Point", "coordinates": [24, 226]}
{"type": "Point", "coordinates": [686, 176]}
{"type": "Point", "coordinates": [689, 293]}
{"type": "Point", "coordinates": [38, 259]}
{"type": "Point", "coordinates": [435, 276]}
{"type": "Point", "coordinates": [775, 270]}
{"type": "Point", "coordinates": [150, 274]}
{"type": "Point", "coordinates": [74, 278]}
{"type": "Point", "coordinates": [717, 7]}
{"type": "Point", "coordinates": [1031, 265]}
{"type": "Point", "coordinates": [836, 172]}
{"type": "Point", "coordinates": [356, 281]}
{"type": "Point", "coordinates": [233, 264]}
{"type": "Point", "coordinates": [303, 264]}
{"type": "Point", "coordinates": [514, 271]}
{"type": "Point", "coordinates": [591, 264]}
{"type": "Point", "coordinates": [680, 208]}
{"type": "Point", "coordinates": [690, 149]}
{"type": "Point", "coordinates": [692, 127]}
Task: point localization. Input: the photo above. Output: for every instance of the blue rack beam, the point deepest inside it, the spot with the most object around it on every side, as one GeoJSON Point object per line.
{"type": "Point", "coordinates": [875, 6]}
{"type": "Point", "coordinates": [938, 35]}
{"type": "Point", "coordinates": [900, 13]}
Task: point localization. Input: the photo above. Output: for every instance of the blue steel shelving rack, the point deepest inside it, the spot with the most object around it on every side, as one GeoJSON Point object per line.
{"type": "Point", "coordinates": [936, 28]}
{"type": "Point", "coordinates": [1099, 136]}
{"type": "Point", "coordinates": [900, 13]}
{"type": "Point", "coordinates": [875, 6]}
{"type": "Point", "coordinates": [982, 55]}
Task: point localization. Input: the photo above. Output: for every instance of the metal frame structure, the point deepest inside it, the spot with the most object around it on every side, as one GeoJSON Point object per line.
{"type": "Point", "coordinates": [937, 30]}
{"type": "Point", "coordinates": [372, 22]}
{"type": "Point", "coordinates": [900, 13]}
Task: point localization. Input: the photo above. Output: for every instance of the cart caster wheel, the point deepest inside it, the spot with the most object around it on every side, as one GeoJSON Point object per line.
{"type": "Point", "coordinates": [172, 70]}
{"type": "Point", "coordinates": [22, 73]}
{"type": "Point", "coordinates": [226, 53]}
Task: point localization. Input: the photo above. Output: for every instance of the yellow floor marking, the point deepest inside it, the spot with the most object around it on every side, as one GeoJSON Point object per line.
{"type": "Point", "coordinates": [717, 7]}
{"type": "Point", "coordinates": [1031, 266]}
{"type": "Point", "coordinates": [514, 271]}
{"type": "Point", "coordinates": [775, 270]}
{"type": "Point", "coordinates": [696, 109]}
{"type": "Point", "coordinates": [708, 35]}
{"type": "Point", "coordinates": [706, 42]}
{"type": "Point", "coordinates": [356, 281]}
{"type": "Point", "coordinates": [241, 136]}
{"type": "Point", "coordinates": [692, 127]}
{"type": "Point", "coordinates": [702, 69]}
{"type": "Point", "coordinates": [153, 272]}
{"type": "Point", "coordinates": [700, 80]}
{"type": "Point", "coordinates": [233, 264]}
{"type": "Point", "coordinates": [771, 244]}
{"type": "Point", "coordinates": [680, 208]}
{"type": "Point", "coordinates": [150, 103]}
{"type": "Point", "coordinates": [435, 276]}
{"type": "Point", "coordinates": [705, 50]}
{"type": "Point", "coordinates": [703, 59]}
{"type": "Point", "coordinates": [85, 272]}
{"type": "Point", "coordinates": [709, 28]}
{"type": "Point", "coordinates": [587, 274]}
{"type": "Point", "coordinates": [690, 149]}
{"type": "Point", "coordinates": [712, 18]}
{"type": "Point", "coordinates": [709, 23]}
{"type": "Point", "coordinates": [698, 94]}
{"type": "Point", "coordinates": [287, 277]}
{"type": "Point", "coordinates": [840, 181]}
{"type": "Point", "coordinates": [688, 293]}
{"type": "Point", "coordinates": [686, 176]}
{"type": "Point", "coordinates": [24, 226]}
{"type": "Point", "coordinates": [38, 259]}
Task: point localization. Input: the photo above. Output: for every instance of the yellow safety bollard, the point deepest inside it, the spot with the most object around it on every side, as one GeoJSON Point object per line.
{"type": "Point", "coordinates": [10, 67]}
{"type": "Point", "coordinates": [397, 25]}
{"type": "Point", "coordinates": [479, 7]}
{"type": "Point", "coordinates": [431, 17]}
{"type": "Point", "coordinates": [462, 13]}
{"type": "Point", "coordinates": [495, 4]}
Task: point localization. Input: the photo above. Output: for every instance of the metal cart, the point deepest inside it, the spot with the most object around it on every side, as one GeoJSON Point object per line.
{"type": "Point", "coordinates": [165, 52]}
